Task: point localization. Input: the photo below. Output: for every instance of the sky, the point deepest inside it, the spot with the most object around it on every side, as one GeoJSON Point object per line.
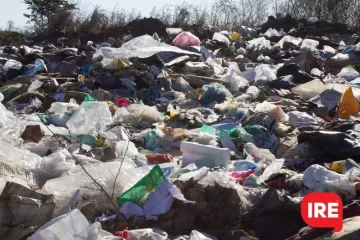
{"type": "Point", "coordinates": [14, 9]}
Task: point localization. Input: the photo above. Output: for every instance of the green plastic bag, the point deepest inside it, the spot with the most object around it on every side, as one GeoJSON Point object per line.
{"type": "Point", "coordinates": [139, 192]}
{"type": "Point", "coordinates": [89, 98]}
{"type": "Point", "coordinates": [45, 119]}
{"type": "Point", "coordinates": [208, 129]}
{"type": "Point", "coordinates": [233, 133]}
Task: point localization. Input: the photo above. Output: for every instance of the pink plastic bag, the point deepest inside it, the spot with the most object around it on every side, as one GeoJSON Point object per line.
{"type": "Point", "coordinates": [186, 39]}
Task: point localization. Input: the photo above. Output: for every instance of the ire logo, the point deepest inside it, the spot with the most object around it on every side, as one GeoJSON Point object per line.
{"type": "Point", "coordinates": [323, 210]}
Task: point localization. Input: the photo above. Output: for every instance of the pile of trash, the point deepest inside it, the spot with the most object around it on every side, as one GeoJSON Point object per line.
{"type": "Point", "coordinates": [179, 137]}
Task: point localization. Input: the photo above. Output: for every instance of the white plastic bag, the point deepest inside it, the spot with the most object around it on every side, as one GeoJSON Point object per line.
{"type": "Point", "coordinates": [264, 74]}
{"type": "Point", "coordinates": [90, 118]}
{"type": "Point", "coordinates": [235, 81]}
{"type": "Point", "coordinates": [221, 38]}
{"type": "Point", "coordinates": [320, 179]}
{"type": "Point", "coordinates": [348, 73]}
{"type": "Point", "coordinates": [309, 44]}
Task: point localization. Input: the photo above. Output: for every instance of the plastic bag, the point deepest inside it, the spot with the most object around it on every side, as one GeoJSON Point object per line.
{"type": "Point", "coordinates": [259, 44]}
{"type": "Point", "coordinates": [35, 85]}
{"type": "Point", "coordinates": [139, 192]}
{"type": "Point", "coordinates": [273, 168]}
{"type": "Point", "coordinates": [320, 179]}
{"type": "Point", "coordinates": [349, 105]}
{"type": "Point", "coordinates": [104, 173]}
{"type": "Point", "coordinates": [348, 73]}
{"type": "Point", "coordinates": [273, 33]}
{"type": "Point", "coordinates": [66, 227]}
{"type": "Point", "coordinates": [264, 74]}
{"type": "Point", "coordinates": [90, 118]}
{"type": "Point", "coordinates": [301, 119]}
{"type": "Point", "coordinates": [12, 64]}
{"type": "Point", "coordinates": [126, 148]}
{"type": "Point", "coordinates": [215, 92]}
{"type": "Point", "coordinates": [271, 110]}
{"type": "Point", "coordinates": [293, 40]}
{"type": "Point", "coordinates": [221, 38]}
{"type": "Point", "coordinates": [186, 39]}
{"type": "Point", "coordinates": [39, 66]}
{"type": "Point", "coordinates": [139, 112]}
{"type": "Point", "coordinates": [181, 85]}
{"type": "Point", "coordinates": [235, 81]}
{"type": "Point", "coordinates": [309, 44]}
{"type": "Point", "coordinates": [55, 165]}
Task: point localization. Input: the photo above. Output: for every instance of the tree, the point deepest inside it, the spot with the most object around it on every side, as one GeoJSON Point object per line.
{"type": "Point", "coordinates": [43, 10]}
{"type": "Point", "coordinates": [10, 26]}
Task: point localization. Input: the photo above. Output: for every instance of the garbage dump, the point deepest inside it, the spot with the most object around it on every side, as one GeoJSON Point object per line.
{"type": "Point", "coordinates": [180, 135]}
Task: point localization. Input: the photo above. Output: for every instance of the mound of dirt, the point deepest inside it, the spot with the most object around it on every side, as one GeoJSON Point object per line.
{"type": "Point", "coordinates": [149, 26]}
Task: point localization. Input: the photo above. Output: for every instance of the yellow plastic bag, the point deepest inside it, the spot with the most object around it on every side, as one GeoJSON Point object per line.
{"type": "Point", "coordinates": [349, 105]}
{"type": "Point", "coordinates": [235, 36]}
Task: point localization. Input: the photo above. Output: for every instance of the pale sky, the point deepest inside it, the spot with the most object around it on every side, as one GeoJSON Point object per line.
{"type": "Point", "coordinates": [14, 9]}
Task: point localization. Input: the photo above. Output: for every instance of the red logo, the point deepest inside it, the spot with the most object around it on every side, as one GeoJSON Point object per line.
{"type": "Point", "coordinates": [323, 210]}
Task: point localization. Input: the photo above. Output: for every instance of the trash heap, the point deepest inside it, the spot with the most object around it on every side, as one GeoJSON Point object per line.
{"type": "Point", "coordinates": [172, 136]}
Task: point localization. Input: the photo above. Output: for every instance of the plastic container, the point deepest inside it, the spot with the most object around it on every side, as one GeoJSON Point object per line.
{"type": "Point", "coordinates": [195, 151]}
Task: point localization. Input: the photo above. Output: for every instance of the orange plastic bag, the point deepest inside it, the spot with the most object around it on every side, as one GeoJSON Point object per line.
{"type": "Point", "coordinates": [349, 105]}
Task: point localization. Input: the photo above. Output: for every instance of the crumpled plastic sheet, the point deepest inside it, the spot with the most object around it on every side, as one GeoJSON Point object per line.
{"type": "Point", "coordinates": [103, 173]}
{"type": "Point", "coordinates": [141, 47]}
{"type": "Point", "coordinates": [320, 179]}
